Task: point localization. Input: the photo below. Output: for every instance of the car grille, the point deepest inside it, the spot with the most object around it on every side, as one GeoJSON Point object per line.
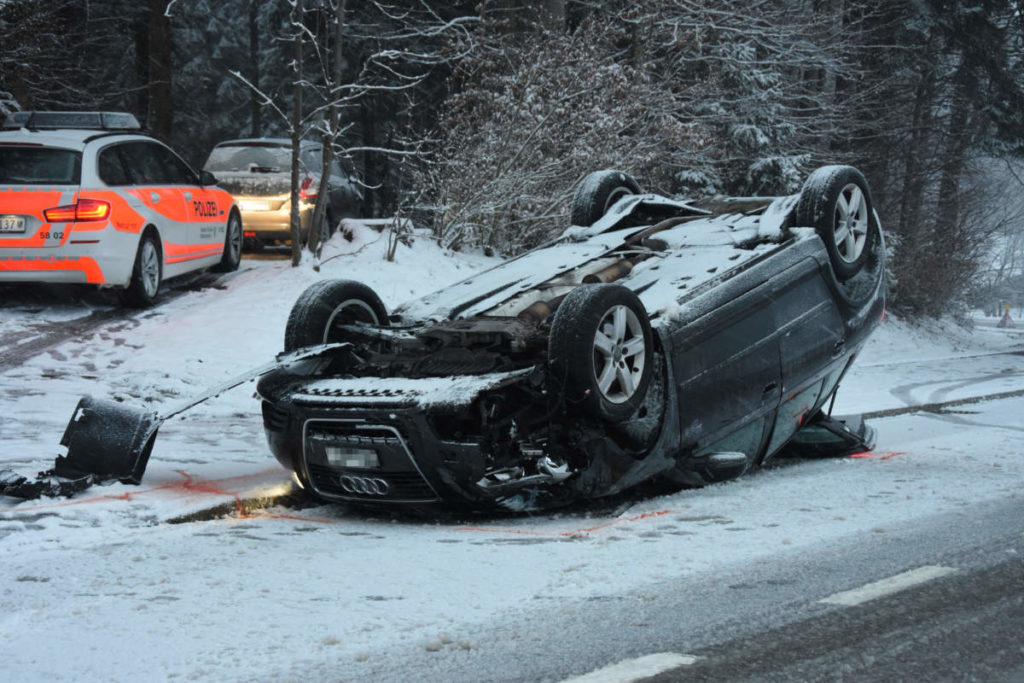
{"type": "Point", "coordinates": [400, 485]}
{"type": "Point", "coordinates": [399, 480]}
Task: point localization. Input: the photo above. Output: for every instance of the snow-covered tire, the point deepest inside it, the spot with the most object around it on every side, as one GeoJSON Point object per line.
{"type": "Point", "coordinates": [147, 273]}
{"type": "Point", "coordinates": [232, 254]}
{"type": "Point", "coordinates": [599, 351]}
{"type": "Point", "coordinates": [325, 305]}
{"type": "Point", "coordinates": [836, 201]}
{"type": "Point", "coordinates": [598, 192]}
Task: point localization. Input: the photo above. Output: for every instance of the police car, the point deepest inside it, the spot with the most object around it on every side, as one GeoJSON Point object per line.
{"type": "Point", "coordinates": [86, 197]}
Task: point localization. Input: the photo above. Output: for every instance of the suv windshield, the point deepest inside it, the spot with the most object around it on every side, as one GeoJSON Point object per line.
{"type": "Point", "coordinates": [39, 166]}
{"type": "Point", "coordinates": [255, 158]}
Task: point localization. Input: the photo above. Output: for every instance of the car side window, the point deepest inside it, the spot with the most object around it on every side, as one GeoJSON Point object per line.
{"type": "Point", "coordinates": [177, 171]}
{"type": "Point", "coordinates": [143, 163]}
{"type": "Point", "coordinates": [110, 168]}
{"type": "Point", "coordinates": [150, 163]}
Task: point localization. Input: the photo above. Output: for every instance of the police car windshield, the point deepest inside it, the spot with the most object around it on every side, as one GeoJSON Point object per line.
{"type": "Point", "coordinates": [255, 159]}
{"type": "Point", "coordinates": [39, 166]}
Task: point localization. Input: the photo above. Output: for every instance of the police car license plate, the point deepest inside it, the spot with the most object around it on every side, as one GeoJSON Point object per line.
{"type": "Point", "coordinates": [12, 223]}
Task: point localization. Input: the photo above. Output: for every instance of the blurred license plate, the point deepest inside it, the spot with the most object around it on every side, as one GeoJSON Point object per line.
{"type": "Point", "coordinates": [248, 205]}
{"type": "Point", "coordinates": [12, 223]}
{"type": "Point", "coordinates": [343, 456]}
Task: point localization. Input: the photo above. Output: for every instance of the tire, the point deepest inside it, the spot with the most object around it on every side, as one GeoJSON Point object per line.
{"type": "Point", "coordinates": [598, 192]}
{"type": "Point", "coordinates": [326, 304]}
{"type": "Point", "coordinates": [232, 254]}
{"type": "Point", "coordinates": [599, 351]}
{"type": "Point", "coordinates": [147, 272]}
{"type": "Point", "coordinates": [836, 201]}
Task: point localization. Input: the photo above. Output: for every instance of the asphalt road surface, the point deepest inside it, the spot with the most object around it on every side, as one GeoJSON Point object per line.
{"type": "Point", "coordinates": [937, 601]}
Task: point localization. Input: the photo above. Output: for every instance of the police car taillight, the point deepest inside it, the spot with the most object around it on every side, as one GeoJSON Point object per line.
{"type": "Point", "coordinates": [82, 210]}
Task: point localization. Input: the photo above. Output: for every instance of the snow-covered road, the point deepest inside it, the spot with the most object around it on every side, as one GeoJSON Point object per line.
{"type": "Point", "coordinates": [101, 587]}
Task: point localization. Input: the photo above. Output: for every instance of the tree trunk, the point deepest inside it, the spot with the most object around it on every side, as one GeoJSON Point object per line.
{"type": "Point", "coordinates": [160, 110]}
{"type": "Point", "coordinates": [552, 15]}
{"type": "Point", "coordinates": [947, 217]}
{"type": "Point", "coordinates": [330, 135]}
{"type": "Point", "coordinates": [140, 26]}
{"type": "Point", "coordinates": [914, 164]}
{"type": "Point", "coordinates": [368, 120]}
{"type": "Point", "coordinates": [254, 64]}
{"type": "Point", "coordinates": [296, 132]}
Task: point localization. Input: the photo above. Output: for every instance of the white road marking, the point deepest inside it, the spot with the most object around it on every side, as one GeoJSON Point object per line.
{"type": "Point", "coordinates": [635, 669]}
{"type": "Point", "coordinates": [893, 584]}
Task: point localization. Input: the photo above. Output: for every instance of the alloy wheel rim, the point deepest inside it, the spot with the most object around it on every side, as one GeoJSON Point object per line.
{"type": "Point", "coordinates": [234, 239]}
{"type": "Point", "coordinates": [150, 267]}
{"type": "Point", "coordinates": [346, 313]}
{"type": "Point", "coordinates": [851, 223]}
{"type": "Point", "coordinates": [619, 354]}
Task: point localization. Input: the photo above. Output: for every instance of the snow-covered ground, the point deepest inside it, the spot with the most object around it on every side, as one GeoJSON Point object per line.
{"type": "Point", "coordinates": [100, 587]}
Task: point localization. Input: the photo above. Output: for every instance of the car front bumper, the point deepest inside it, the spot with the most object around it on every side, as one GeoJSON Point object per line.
{"type": "Point", "coordinates": [378, 440]}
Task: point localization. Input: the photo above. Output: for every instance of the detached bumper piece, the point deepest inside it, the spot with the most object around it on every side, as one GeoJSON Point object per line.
{"type": "Point", "coordinates": [833, 436]}
{"type": "Point", "coordinates": [105, 442]}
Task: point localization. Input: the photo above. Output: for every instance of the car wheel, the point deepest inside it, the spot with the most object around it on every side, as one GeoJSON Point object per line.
{"type": "Point", "coordinates": [232, 255]}
{"type": "Point", "coordinates": [599, 351]}
{"type": "Point", "coordinates": [598, 192]}
{"type": "Point", "coordinates": [146, 273]}
{"type": "Point", "coordinates": [836, 201]}
{"type": "Point", "coordinates": [324, 306]}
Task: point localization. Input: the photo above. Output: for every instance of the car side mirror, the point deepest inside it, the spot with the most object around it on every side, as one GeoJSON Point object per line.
{"type": "Point", "coordinates": [207, 178]}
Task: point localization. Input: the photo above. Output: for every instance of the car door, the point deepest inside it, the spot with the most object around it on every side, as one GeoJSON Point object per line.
{"type": "Point", "coordinates": [153, 185]}
{"type": "Point", "coordinates": [206, 215]}
{"type": "Point", "coordinates": [727, 370]}
{"type": "Point", "coordinates": [811, 342]}
{"type": "Point", "coordinates": [345, 196]}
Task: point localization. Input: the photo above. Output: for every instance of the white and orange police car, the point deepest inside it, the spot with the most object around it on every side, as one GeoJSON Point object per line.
{"type": "Point", "coordinates": [85, 197]}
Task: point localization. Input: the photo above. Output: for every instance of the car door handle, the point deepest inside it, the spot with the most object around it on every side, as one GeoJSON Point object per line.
{"type": "Point", "coordinates": [154, 197]}
{"type": "Point", "coordinates": [769, 388]}
{"type": "Point", "coordinates": [188, 196]}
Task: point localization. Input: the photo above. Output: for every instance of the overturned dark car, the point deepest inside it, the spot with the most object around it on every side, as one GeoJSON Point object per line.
{"type": "Point", "coordinates": [656, 340]}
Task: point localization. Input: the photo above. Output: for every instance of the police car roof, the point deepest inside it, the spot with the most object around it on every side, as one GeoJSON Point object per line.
{"type": "Point", "coordinates": [66, 139]}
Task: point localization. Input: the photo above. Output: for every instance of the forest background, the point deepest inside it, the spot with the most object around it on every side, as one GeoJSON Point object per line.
{"type": "Point", "coordinates": [479, 118]}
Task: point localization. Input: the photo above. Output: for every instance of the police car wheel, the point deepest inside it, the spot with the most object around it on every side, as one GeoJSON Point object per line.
{"type": "Point", "coordinates": [232, 254]}
{"type": "Point", "coordinates": [146, 273]}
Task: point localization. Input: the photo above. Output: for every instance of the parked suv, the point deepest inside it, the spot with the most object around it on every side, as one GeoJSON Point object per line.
{"type": "Point", "coordinates": [257, 172]}
{"type": "Point", "coordinates": [85, 197]}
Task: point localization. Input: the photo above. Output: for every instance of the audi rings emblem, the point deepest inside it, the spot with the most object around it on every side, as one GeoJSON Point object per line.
{"type": "Point", "coordinates": [367, 486]}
